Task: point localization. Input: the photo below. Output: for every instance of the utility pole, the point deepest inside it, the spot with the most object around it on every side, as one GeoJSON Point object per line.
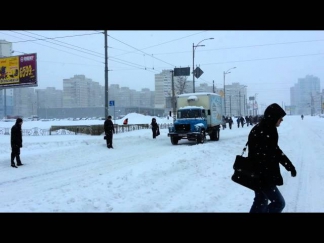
{"type": "Point", "coordinates": [321, 104]}
{"type": "Point", "coordinates": [106, 74]}
{"type": "Point", "coordinates": [240, 102]}
{"type": "Point", "coordinates": [173, 98]}
{"type": "Point", "coordinates": [230, 105]}
{"type": "Point", "coordinates": [5, 99]}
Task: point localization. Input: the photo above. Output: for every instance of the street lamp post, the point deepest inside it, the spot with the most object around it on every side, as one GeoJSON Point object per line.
{"type": "Point", "coordinates": [254, 105]}
{"type": "Point", "coordinates": [193, 60]}
{"type": "Point", "coordinates": [230, 105]}
{"type": "Point", "coordinates": [244, 86]}
{"type": "Point", "coordinates": [227, 72]}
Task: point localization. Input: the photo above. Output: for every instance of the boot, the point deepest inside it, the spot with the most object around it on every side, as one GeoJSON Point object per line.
{"type": "Point", "coordinates": [19, 161]}
{"type": "Point", "coordinates": [13, 161]}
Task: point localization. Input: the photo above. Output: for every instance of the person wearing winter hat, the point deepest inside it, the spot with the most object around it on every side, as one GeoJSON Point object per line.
{"type": "Point", "coordinates": [266, 155]}
{"type": "Point", "coordinates": [16, 142]}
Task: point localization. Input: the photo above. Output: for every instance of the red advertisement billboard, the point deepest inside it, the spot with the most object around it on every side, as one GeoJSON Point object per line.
{"type": "Point", "coordinates": [18, 71]}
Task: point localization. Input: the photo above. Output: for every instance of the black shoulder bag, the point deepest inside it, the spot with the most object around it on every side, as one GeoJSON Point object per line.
{"type": "Point", "coordinates": [244, 173]}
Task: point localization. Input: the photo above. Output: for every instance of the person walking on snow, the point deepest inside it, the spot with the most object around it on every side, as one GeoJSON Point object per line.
{"type": "Point", "coordinates": [155, 128]}
{"type": "Point", "coordinates": [267, 157]}
{"type": "Point", "coordinates": [109, 131]}
{"type": "Point", "coordinates": [16, 143]}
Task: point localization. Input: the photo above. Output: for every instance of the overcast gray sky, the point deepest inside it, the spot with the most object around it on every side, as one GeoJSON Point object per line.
{"type": "Point", "coordinates": [268, 62]}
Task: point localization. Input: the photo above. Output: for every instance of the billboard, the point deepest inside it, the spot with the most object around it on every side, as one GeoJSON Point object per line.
{"type": "Point", "coordinates": [182, 71]}
{"type": "Point", "coordinates": [18, 71]}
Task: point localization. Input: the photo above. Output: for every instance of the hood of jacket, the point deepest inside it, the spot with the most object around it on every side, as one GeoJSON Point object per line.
{"type": "Point", "coordinates": [273, 113]}
{"type": "Point", "coordinates": [18, 120]}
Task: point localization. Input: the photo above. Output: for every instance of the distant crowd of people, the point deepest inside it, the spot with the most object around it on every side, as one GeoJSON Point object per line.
{"type": "Point", "coordinates": [240, 120]}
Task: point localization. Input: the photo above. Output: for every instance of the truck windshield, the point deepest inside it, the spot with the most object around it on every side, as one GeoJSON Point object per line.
{"type": "Point", "coordinates": [190, 113]}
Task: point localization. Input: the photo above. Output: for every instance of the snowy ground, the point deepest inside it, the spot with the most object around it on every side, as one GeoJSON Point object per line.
{"type": "Point", "coordinates": [78, 173]}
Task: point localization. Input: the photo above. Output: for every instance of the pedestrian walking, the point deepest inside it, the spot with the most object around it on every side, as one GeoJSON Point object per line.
{"type": "Point", "coordinates": [109, 131]}
{"type": "Point", "coordinates": [267, 157]}
{"type": "Point", "coordinates": [230, 122]}
{"type": "Point", "coordinates": [155, 128]}
{"type": "Point", "coordinates": [238, 120]}
{"type": "Point", "coordinates": [242, 121]}
{"type": "Point", "coordinates": [16, 142]}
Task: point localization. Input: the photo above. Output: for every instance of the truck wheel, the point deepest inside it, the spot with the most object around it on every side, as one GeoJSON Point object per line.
{"type": "Point", "coordinates": [174, 140]}
{"type": "Point", "coordinates": [202, 137]}
{"type": "Point", "coordinates": [217, 135]}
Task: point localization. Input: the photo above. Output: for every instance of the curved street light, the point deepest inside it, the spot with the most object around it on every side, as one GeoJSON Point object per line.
{"type": "Point", "coordinates": [193, 60]}
{"type": "Point", "coordinates": [227, 72]}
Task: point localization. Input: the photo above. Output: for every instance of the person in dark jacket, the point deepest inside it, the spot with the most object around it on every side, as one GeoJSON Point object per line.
{"type": "Point", "coordinates": [230, 122]}
{"type": "Point", "coordinates": [16, 142]}
{"type": "Point", "coordinates": [251, 120]}
{"type": "Point", "coordinates": [247, 121]}
{"type": "Point", "coordinates": [109, 130]}
{"type": "Point", "coordinates": [155, 128]}
{"type": "Point", "coordinates": [242, 121]}
{"type": "Point", "coordinates": [266, 155]}
{"type": "Point", "coordinates": [238, 120]}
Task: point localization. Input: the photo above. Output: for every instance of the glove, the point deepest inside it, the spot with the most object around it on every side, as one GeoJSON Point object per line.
{"type": "Point", "coordinates": [293, 172]}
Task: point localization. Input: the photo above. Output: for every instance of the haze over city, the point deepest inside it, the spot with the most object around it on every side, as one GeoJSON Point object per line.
{"type": "Point", "coordinates": [269, 63]}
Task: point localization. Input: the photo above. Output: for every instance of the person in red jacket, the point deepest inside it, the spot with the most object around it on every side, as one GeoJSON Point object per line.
{"type": "Point", "coordinates": [125, 121]}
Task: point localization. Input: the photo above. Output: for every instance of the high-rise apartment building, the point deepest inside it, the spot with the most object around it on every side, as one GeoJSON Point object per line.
{"type": "Point", "coordinates": [80, 91]}
{"type": "Point", "coordinates": [163, 83]}
{"type": "Point", "coordinates": [305, 96]}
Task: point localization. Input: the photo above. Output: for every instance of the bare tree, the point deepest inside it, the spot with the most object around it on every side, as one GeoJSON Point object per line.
{"type": "Point", "coordinates": [180, 84]}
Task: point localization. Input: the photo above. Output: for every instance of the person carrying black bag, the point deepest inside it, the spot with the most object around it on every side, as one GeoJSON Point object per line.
{"type": "Point", "coordinates": [155, 128]}
{"type": "Point", "coordinates": [109, 130]}
{"type": "Point", "coordinates": [266, 155]}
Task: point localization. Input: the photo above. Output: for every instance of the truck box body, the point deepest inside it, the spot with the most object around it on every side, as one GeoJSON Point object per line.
{"type": "Point", "coordinates": [209, 101]}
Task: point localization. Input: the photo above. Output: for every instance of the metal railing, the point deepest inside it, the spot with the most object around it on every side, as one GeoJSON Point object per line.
{"type": "Point", "coordinates": [82, 129]}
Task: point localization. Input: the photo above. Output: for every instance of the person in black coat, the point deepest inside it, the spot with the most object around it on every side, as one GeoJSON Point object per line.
{"type": "Point", "coordinates": [238, 120]}
{"type": "Point", "coordinates": [109, 130]}
{"type": "Point", "coordinates": [155, 128]}
{"type": "Point", "coordinates": [266, 155]}
{"type": "Point", "coordinates": [247, 121]}
{"type": "Point", "coordinates": [230, 122]}
{"type": "Point", "coordinates": [242, 121]}
{"type": "Point", "coordinates": [16, 142]}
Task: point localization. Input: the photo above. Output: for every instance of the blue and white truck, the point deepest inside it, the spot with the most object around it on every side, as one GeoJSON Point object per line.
{"type": "Point", "coordinates": [197, 115]}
